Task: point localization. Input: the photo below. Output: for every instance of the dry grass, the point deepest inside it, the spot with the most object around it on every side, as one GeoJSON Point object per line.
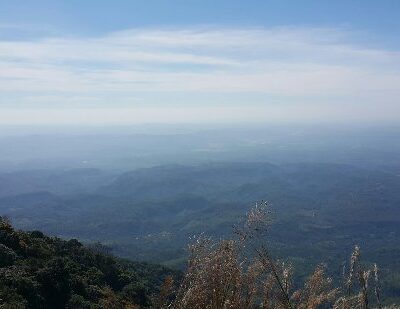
{"type": "Point", "coordinates": [240, 273]}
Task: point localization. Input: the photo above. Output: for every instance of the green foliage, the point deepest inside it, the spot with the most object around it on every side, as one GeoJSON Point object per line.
{"type": "Point", "coordinates": [37, 271]}
{"type": "Point", "coordinates": [320, 212]}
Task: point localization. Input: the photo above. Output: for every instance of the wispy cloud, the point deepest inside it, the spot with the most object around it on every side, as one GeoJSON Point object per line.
{"type": "Point", "coordinates": [142, 67]}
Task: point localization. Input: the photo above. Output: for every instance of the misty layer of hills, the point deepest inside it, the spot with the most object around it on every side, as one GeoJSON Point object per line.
{"type": "Point", "coordinates": [128, 148]}
{"type": "Point", "coordinates": [327, 191]}
{"type": "Point", "coordinates": [320, 210]}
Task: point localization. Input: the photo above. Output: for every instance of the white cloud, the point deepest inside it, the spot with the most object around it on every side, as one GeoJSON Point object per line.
{"type": "Point", "coordinates": [123, 68]}
{"type": "Point", "coordinates": [305, 113]}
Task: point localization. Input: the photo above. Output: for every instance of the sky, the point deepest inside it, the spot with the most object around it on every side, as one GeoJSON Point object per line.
{"type": "Point", "coordinates": [198, 61]}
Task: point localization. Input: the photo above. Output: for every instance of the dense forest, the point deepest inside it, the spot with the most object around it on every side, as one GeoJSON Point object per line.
{"type": "Point", "coordinates": [320, 210]}
{"type": "Point", "coordinates": [37, 271]}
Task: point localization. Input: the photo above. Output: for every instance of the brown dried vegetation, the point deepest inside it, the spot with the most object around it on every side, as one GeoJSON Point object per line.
{"type": "Point", "coordinates": [240, 273]}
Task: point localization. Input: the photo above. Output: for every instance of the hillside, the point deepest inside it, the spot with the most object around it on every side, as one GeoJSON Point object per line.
{"type": "Point", "coordinates": [320, 211]}
{"type": "Point", "coordinates": [37, 271]}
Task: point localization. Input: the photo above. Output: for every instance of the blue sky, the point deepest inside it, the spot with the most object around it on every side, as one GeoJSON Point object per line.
{"type": "Point", "coordinates": [110, 62]}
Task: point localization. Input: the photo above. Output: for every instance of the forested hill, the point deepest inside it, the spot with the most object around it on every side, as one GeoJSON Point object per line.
{"type": "Point", "coordinates": [37, 271]}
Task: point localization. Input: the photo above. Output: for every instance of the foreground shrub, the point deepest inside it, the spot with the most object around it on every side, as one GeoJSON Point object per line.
{"type": "Point", "coordinates": [241, 273]}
